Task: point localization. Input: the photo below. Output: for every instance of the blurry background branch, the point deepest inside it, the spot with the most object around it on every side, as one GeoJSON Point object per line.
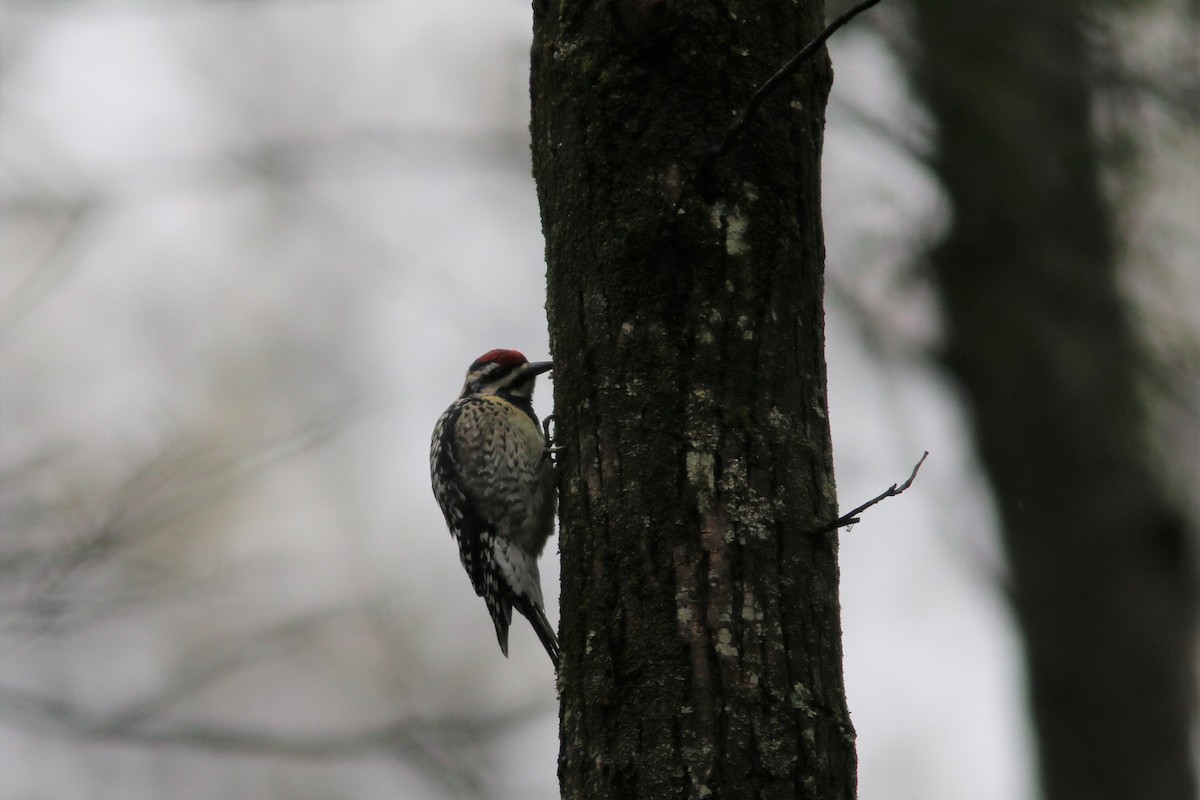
{"type": "Point", "coordinates": [445, 749]}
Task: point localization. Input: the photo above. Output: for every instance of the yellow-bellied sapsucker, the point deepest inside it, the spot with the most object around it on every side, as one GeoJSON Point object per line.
{"type": "Point", "coordinates": [494, 479]}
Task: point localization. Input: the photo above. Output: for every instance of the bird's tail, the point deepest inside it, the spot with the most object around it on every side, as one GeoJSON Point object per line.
{"type": "Point", "coordinates": [541, 626]}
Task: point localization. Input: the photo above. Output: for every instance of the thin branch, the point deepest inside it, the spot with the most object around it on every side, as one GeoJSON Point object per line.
{"type": "Point", "coordinates": [209, 664]}
{"type": "Point", "coordinates": [399, 735]}
{"type": "Point", "coordinates": [771, 84]}
{"type": "Point", "coordinates": [892, 491]}
{"type": "Point", "coordinates": [53, 266]}
{"type": "Point", "coordinates": [909, 136]}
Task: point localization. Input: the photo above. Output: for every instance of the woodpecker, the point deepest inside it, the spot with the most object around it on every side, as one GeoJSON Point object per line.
{"type": "Point", "coordinates": [494, 480]}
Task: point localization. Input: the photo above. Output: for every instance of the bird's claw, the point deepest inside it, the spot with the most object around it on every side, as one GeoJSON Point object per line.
{"type": "Point", "coordinates": [552, 448]}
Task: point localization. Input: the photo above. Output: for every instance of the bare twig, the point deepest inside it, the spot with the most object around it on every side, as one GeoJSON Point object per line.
{"type": "Point", "coordinates": [768, 86]}
{"type": "Point", "coordinates": [891, 491]}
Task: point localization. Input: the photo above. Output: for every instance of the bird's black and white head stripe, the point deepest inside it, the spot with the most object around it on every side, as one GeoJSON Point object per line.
{"type": "Point", "coordinates": [503, 372]}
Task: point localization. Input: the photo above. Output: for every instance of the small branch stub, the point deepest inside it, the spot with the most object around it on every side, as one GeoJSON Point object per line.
{"type": "Point", "coordinates": [893, 490]}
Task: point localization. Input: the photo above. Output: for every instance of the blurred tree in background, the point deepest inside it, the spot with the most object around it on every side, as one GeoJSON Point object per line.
{"type": "Point", "coordinates": [1101, 557]}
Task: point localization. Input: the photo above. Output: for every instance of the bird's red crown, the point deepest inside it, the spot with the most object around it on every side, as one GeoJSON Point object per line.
{"type": "Point", "coordinates": [507, 358]}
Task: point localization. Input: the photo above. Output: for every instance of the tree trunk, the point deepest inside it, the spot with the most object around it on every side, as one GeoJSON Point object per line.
{"type": "Point", "coordinates": [700, 622]}
{"type": "Point", "coordinates": [1103, 580]}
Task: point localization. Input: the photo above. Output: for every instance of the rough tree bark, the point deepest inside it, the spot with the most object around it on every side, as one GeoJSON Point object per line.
{"type": "Point", "coordinates": [1102, 568]}
{"type": "Point", "coordinates": [700, 623]}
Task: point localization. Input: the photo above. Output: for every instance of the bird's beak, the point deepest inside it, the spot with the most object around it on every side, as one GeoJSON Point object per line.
{"type": "Point", "coordinates": [538, 367]}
